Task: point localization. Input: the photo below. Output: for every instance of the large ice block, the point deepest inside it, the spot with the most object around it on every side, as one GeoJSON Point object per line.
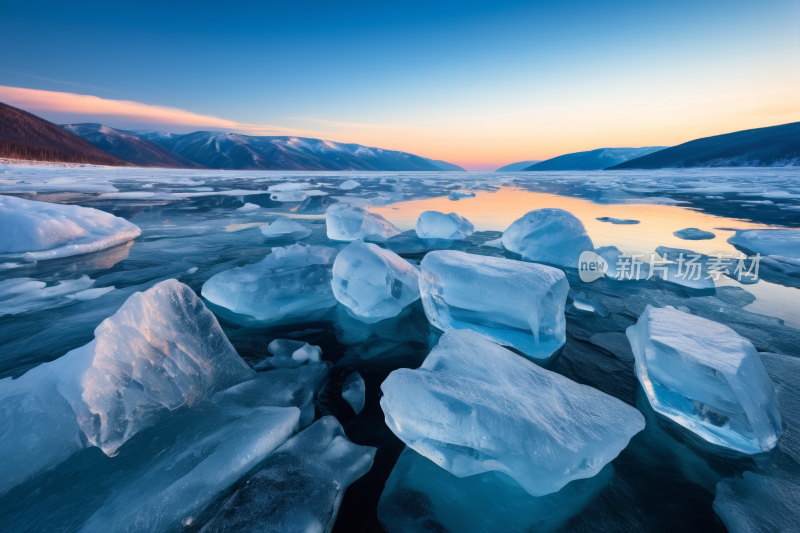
{"type": "Point", "coordinates": [514, 303]}
{"type": "Point", "coordinates": [373, 283]}
{"type": "Point", "coordinates": [549, 235]}
{"type": "Point", "coordinates": [293, 281]}
{"type": "Point", "coordinates": [782, 242]}
{"type": "Point", "coordinates": [475, 407]}
{"type": "Point", "coordinates": [42, 230]}
{"type": "Point", "coordinates": [300, 486]}
{"type": "Point", "coordinates": [438, 225]}
{"type": "Point", "coordinates": [350, 223]}
{"type": "Point", "coordinates": [705, 377]}
{"type": "Point", "coordinates": [162, 350]}
{"type": "Point", "coordinates": [490, 502]}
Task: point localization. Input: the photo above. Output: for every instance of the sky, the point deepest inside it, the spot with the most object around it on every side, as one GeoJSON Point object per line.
{"type": "Point", "coordinates": [478, 84]}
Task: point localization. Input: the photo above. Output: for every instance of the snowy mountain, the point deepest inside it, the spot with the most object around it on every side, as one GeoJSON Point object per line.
{"type": "Point", "coordinates": [130, 146]}
{"type": "Point", "coordinates": [516, 167]}
{"type": "Point", "coordinates": [244, 152]}
{"type": "Point", "coordinates": [444, 165]}
{"type": "Point", "coordinates": [593, 159]}
{"type": "Point", "coordinates": [763, 147]}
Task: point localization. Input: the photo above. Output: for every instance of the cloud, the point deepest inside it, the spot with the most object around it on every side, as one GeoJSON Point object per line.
{"type": "Point", "coordinates": [58, 102]}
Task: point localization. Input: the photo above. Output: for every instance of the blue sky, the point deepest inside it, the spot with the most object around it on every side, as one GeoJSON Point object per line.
{"type": "Point", "coordinates": [478, 83]}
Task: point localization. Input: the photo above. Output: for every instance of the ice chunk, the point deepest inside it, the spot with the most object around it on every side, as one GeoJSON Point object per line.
{"type": "Point", "coordinates": [249, 207]}
{"type": "Point", "coordinates": [510, 302]}
{"type": "Point", "coordinates": [373, 283]}
{"type": "Point", "coordinates": [300, 486]}
{"type": "Point", "coordinates": [349, 185]}
{"type": "Point", "coordinates": [162, 350]}
{"type": "Point", "coordinates": [758, 503]}
{"type": "Point", "coordinates": [458, 195]}
{"type": "Point", "coordinates": [284, 228]}
{"type": "Point", "coordinates": [624, 221]}
{"type": "Point", "coordinates": [289, 354]}
{"type": "Point", "coordinates": [20, 295]}
{"type": "Point", "coordinates": [438, 225]}
{"type": "Point", "coordinates": [42, 230]}
{"type": "Point", "coordinates": [694, 234]}
{"type": "Point", "coordinates": [474, 407]}
{"type": "Point", "coordinates": [782, 242]}
{"type": "Point", "coordinates": [485, 503]}
{"type": "Point", "coordinates": [622, 266]}
{"type": "Point", "coordinates": [182, 483]}
{"type": "Point", "coordinates": [707, 378]}
{"type": "Point", "coordinates": [293, 281]}
{"type": "Point", "coordinates": [353, 390]}
{"type": "Point", "coordinates": [350, 223]}
{"type": "Point", "coordinates": [552, 236]}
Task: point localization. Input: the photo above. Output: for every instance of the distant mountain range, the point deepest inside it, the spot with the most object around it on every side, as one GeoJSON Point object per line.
{"type": "Point", "coordinates": [26, 136]}
{"type": "Point", "coordinates": [244, 152]}
{"type": "Point", "coordinates": [762, 147]}
{"type": "Point", "coordinates": [593, 159]}
{"type": "Point", "coordinates": [516, 167]}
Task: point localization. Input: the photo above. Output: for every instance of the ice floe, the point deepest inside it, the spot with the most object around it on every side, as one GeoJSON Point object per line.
{"type": "Point", "coordinates": [284, 228]}
{"type": "Point", "coordinates": [781, 242]}
{"type": "Point", "coordinates": [694, 234]}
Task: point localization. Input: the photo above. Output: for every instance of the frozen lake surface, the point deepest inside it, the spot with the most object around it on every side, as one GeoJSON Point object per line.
{"type": "Point", "coordinates": [196, 224]}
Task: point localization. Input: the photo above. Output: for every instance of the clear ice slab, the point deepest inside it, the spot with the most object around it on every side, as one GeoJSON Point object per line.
{"type": "Point", "coordinates": [300, 486]}
{"type": "Point", "coordinates": [41, 230]}
{"type": "Point", "coordinates": [162, 350]}
{"type": "Point", "coordinates": [351, 223]}
{"type": "Point", "coordinates": [291, 282]}
{"type": "Point", "coordinates": [511, 302]}
{"type": "Point", "coordinates": [490, 502]}
{"type": "Point", "coordinates": [374, 284]}
{"type": "Point", "coordinates": [475, 407]}
{"type": "Point", "coordinates": [438, 225]}
{"type": "Point", "coordinates": [549, 235]}
{"type": "Point", "coordinates": [705, 377]}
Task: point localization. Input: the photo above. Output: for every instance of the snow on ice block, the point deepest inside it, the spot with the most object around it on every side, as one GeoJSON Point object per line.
{"type": "Point", "coordinates": [510, 302]}
{"type": "Point", "coordinates": [292, 281]}
{"type": "Point", "coordinates": [289, 354]}
{"type": "Point", "coordinates": [490, 502]}
{"type": "Point", "coordinates": [299, 487]}
{"type": "Point", "coordinates": [162, 350]}
{"type": "Point", "coordinates": [707, 378]}
{"type": "Point", "coordinates": [694, 234]}
{"type": "Point", "coordinates": [353, 390]}
{"type": "Point", "coordinates": [782, 242]}
{"type": "Point", "coordinates": [351, 223]}
{"type": "Point", "coordinates": [42, 230]}
{"type": "Point", "coordinates": [284, 228]}
{"type": "Point", "coordinates": [552, 236]}
{"type": "Point", "coordinates": [373, 283]}
{"type": "Point", "coordinates": [475, 407]}
{"type": "Point", "coordinates": [438, 225]}
{"type": "Point", "coordinates": [758, 503]}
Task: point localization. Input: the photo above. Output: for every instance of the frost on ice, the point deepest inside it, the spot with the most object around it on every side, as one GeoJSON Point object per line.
{"type": "Point", "coordinates": [350, 223]}
{"type": "Point", "coordinates": [284, 228]}
{"type": "Point", "coordinates": [353, 390]}
{"type": "Point", "coordinates": [293, 281]}
{"type": "Point", "coordinates": [781, 242]}
{"type": "Point", "coordinates": [300, 486]}
{"type": "Point", "coordinates": [162, 350]}
{"type": "Point", "coordinates": [437, 225]}
{"type": "Point", "coordinates": [41, 230]}
{"type": "Point", "coordinates": [483, 503]}
{"type": "Point", "coordinates": [707, 378]}
{"type": "Point", "coordinates": [475, 407]}
{"type": "Point", "coordinates": [549, 235]}
{"type": "Point", "coordinates": [373, 283]}
{"type": "Point", "coordinates": [510, 302]}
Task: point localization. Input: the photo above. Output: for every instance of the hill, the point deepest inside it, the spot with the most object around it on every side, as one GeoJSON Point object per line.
{"type": "Point", "coordinates": [445, 166]}
{"type": "Point", "coordinates": [516, 167]}
{"type": "Point", "coordinates": [593, 159]}
{"type": "Point", "coordinates": [762, 147]}
{"type": "Point", "coordinates": [128, 146]}
{"type": "Point", "coordinates": [26, 136]}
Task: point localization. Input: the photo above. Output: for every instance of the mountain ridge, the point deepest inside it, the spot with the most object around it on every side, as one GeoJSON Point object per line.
{"type": "Point", "coordinates": [596, 159]}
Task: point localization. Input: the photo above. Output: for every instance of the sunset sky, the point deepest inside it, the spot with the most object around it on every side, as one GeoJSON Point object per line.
{"type": "Point", "coordinates": [479, 84]}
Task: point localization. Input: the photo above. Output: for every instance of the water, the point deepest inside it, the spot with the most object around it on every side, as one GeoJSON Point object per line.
{"type": "Point", "coordinates": [664, 480]}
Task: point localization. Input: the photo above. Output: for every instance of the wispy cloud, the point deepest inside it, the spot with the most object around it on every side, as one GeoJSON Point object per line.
{"type": "Point", "coordinates": [80, 104]}
{"type": "Point", "coordinates": [58, 81]}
